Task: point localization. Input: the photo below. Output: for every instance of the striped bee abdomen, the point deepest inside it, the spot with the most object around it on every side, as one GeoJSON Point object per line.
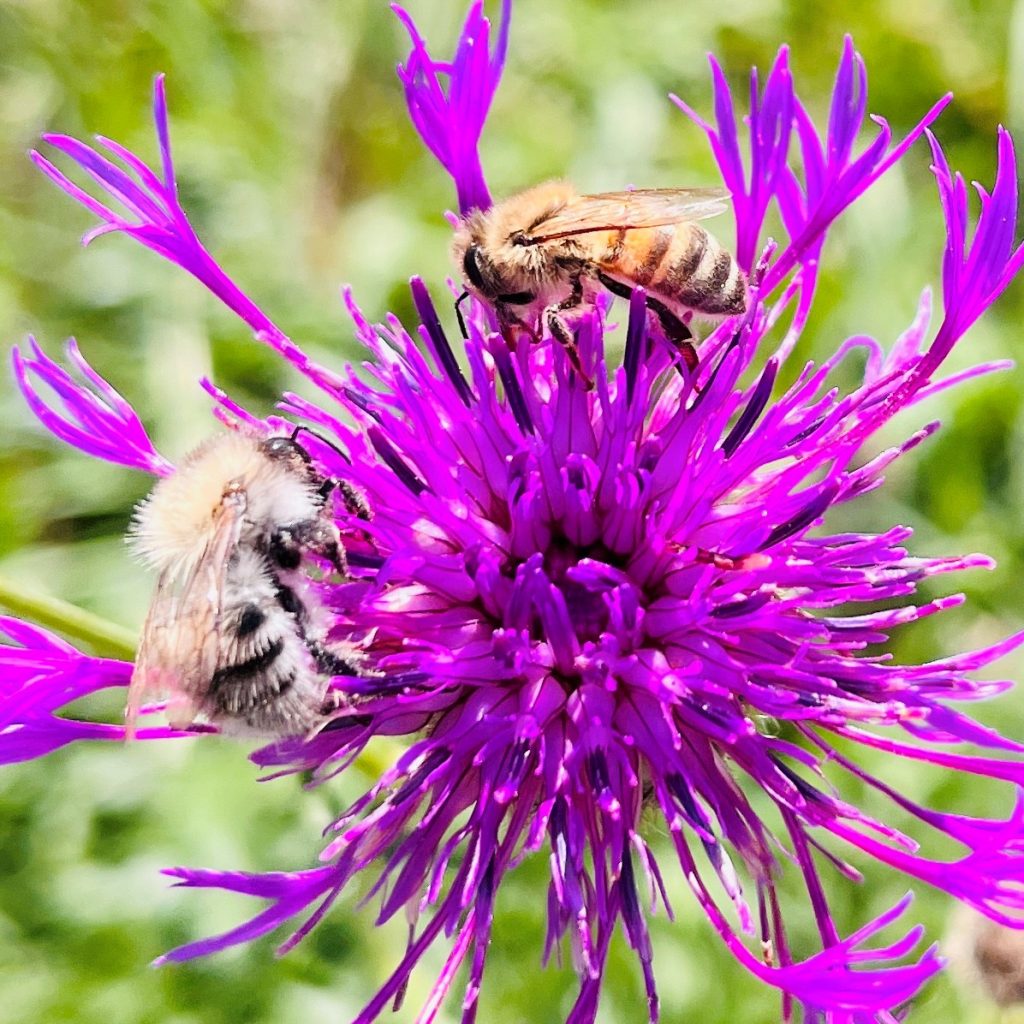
{"type": "Point", "coordinates": [242, 686]}
{"type": "Point", "coordinates": [680, 264]}
{"type": "Point", "coordinates": [699, 273]}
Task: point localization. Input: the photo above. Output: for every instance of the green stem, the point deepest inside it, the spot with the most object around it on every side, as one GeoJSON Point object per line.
{"type": "Point", "coordinates": [380, 756]}
{"type": "Point", "coordinates": [107, 639]}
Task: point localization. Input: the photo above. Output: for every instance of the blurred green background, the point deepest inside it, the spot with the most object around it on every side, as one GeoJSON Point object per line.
{"type": "Point", "coordinates": [300, 171]}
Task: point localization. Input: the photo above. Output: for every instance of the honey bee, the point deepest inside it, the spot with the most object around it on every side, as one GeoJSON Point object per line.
{"type": "Point", "coordinates": [548, 249]}
{"type": "Point", "coordinates": [235, 634]}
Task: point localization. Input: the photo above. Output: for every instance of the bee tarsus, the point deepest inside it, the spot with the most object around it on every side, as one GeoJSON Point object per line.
{"type": "Point", "coordinates": [560, 330]}
{"type": "Point", "coordinates": [330, 662]}
{"type": "Point", "coordinates": [353, 500]}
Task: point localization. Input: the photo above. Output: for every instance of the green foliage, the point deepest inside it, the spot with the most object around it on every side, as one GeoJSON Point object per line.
{"type": "Point", "coordinates": [301, 172]}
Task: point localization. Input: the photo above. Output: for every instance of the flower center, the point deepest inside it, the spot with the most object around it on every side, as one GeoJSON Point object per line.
{"type": "Point", "coordinates": [583, 577]}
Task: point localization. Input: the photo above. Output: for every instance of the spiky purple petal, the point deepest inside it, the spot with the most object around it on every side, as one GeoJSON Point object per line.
{"type": "Point", "coordinates": [39, 675]}
{"type": "Point", "coordinates": [832, 177]}
{"type": "Point", "coordinates": [451, 118]}
{"type": "Point", "coordinates": [91, 416]}
{"type": "Point", "coordinates": [152, 214]}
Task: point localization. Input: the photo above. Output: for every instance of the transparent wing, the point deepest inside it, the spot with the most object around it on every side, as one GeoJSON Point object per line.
{"type": "Point", "coordinates": [181, 643]}
{"type": "Point", "coordinates": [638, 208]}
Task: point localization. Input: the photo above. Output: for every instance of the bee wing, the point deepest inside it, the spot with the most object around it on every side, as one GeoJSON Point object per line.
{"type": "Point", "coordinates": [636, 208]}
{"type": "Point", "coordinates": [181, 642]}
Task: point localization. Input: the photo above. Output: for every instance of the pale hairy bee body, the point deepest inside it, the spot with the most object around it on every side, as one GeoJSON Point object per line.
{"type": "Point", "coordinates": [548, 250]}
{"type": "Point", "coordinates": [236, 634]}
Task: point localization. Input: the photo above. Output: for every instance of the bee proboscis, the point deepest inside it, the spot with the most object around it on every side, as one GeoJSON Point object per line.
{"type": "Point", "coordinates": [548, 249]}
{"type": "Point", "coordinates": [235, 633]}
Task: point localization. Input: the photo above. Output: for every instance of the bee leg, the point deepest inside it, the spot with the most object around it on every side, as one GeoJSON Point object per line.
{"type": "Point", "coordinates": [332, 701]}
{"type": "Point", "coordinates": [560, 331]}
{"type": "Point", "coordinates": [327, 662]}
{"type": "Point", "coordinates": [289, 543]}
{"type": "Point", "coordinates": [624, 291]}
{"type": "Point", "coordinates": [355, 503]}
{"type": "Point", "coordinates": [329, 547]}
{"type": "Point", "coordinates": [677, 333]}
{"type": "Point", "coordinates": [675, 330]}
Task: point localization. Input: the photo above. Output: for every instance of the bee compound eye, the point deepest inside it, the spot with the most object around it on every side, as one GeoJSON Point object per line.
{"type": "Point", "coordinates": [284, 448]}
{"type": "Point", "coordinates": [277, 445]}
{"type": "Point", "coordinates": [471, 266]}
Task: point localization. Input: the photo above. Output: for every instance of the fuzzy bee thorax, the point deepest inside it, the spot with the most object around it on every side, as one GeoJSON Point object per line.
{"type": "Point", "coordinates": [173, 526]}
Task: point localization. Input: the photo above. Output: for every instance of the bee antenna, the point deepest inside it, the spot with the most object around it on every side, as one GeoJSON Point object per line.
{"type": "Point", "coordinates": [458, 314]}
{"type": "Point", "coordinates": [320, 437]}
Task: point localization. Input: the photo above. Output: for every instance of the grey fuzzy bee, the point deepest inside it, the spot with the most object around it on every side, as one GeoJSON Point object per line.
{"type": "Point", "coordinates": [235, 634]}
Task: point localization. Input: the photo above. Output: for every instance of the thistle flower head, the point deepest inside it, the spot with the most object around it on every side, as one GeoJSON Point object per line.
{"type": "Point", "coordinates": [584, 604]}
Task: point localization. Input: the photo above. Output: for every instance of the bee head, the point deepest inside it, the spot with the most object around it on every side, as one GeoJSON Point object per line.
{"type": "Point", "coordinates": [298, 460]}
{"type": "Point", "coordinates": [471, 254]}
{"type": "Point", "coordinates": [285, 449]}
{"type": "Point", "coordinates": [489, 279]}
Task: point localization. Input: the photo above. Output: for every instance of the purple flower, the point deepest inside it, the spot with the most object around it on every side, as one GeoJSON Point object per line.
{"type": "Point", "coordinates": [587, 603]}
{"type": "Point", "coordinates": [451, 120]}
